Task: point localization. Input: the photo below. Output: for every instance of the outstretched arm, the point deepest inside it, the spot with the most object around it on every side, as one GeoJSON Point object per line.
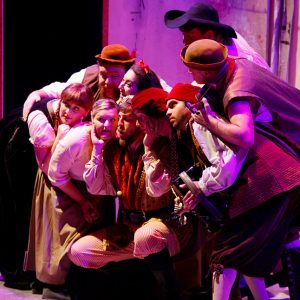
{"type": "Point", "coordinates": [240, 128]}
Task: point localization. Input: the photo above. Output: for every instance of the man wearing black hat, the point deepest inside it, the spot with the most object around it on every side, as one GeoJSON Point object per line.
{"type": "Point", "coordinates": [201, 21]}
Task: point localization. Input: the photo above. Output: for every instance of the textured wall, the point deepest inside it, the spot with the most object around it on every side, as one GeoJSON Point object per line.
{"type": "Point", "coordinates": [139, 24]}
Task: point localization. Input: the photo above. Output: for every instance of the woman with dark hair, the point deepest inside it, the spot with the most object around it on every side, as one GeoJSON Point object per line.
{"type": "Point", "coordinates": [138, 78]}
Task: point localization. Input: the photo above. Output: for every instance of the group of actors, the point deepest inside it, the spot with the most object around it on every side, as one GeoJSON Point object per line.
{"type": "Point", "coordinates": [113, 141]}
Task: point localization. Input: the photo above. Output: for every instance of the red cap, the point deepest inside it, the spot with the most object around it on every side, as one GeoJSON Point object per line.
{"type": "Point", "coordinates": [183, 92]}
{"type": "Point", "coordinates": [151, 102]}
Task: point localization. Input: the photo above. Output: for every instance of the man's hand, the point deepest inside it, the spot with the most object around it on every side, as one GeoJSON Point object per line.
{"type": "Point", "coordinates": [204, 113]}
{"type": "Point", "coordinates": [148, 141]}
{"type": "Point", "coordinates": [89, 211]}
{"type": "Point", "coordinates": [189, 200]}
{"type": "Point", "coordinates": [98, 144]}
{"type": "Point", "coordinates": [33, 97]}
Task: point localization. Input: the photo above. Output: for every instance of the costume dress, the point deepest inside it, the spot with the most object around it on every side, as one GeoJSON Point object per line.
{"type": "Point", "coordinates": [57, 220]}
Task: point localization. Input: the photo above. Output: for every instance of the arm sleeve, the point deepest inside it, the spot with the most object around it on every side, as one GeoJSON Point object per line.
{"type": "Point", "coordinates": [96, 175]}
{"type": "Point", "coordinates": [226, 161]}
{"type": "Point", "coordinates": [61, 162]}
{"type": "Point", "coordinates": [40, 130]}
{"type": "Point", "coordinates": [157, 179]}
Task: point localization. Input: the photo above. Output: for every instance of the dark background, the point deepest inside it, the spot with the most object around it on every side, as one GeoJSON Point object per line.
{"type": "Point", "coordinates": [46, 41]}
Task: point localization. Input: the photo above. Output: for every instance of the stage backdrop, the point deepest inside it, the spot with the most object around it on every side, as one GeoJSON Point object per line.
{"type": "Point", "coordinates": [269, 26]}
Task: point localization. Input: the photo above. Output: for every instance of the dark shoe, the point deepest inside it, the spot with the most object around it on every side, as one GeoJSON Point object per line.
{"type": "Point", "coordinates": [37, 287]}
{"type": "Point", "coordinates": [88, 284]}
{"type": "Point", "coordinates": [291, 263]}
{"type": "Point", "coordinates": [55, 295]}
{"type": "Point", "coordinates": [162, 268]}
{"type": "Point", "coordinates": [16, 280]}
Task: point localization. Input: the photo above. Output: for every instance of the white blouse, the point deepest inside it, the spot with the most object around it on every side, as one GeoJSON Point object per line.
{"type": "Point", "coordinates": [71, 154]}
{"type": "Point", "coordinates": [40, 130]}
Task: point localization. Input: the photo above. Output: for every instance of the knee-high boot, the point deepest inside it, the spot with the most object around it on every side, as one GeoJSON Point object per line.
{"type": "Point", "coordinates": [161, 266]}
{"type": "Point", "coordinates": [291, 263]}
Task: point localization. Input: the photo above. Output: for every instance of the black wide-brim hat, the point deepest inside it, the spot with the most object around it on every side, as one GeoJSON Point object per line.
{"type": "Point", "coordinates": [199, 14]}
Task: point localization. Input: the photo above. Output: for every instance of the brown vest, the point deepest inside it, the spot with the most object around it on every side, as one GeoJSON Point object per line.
{"type": "Point", "coordinates": [128, 176]}
{"type": "Point", "coordinates": [91, 79]}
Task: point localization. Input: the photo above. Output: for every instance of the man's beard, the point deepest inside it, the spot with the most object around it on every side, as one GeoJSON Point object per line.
{"type": "Point", "coordinates": [128, 140]}
{"type": "Point", "coordinates": [123, 142]}
{"type": "Point", "coordinates": [110, 92]}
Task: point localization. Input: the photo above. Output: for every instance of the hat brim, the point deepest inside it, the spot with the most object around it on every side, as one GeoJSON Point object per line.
{"type": "Point", "coordinates": [204, 67]}
{"type": "Point", "coordinates": [114, 61]}
{"type": "Point", "coordinates": [225, 29]}
{"type": "Point", "coordinates": [178, 18]}
{"type": "Point", "coordinates": [175, 18]}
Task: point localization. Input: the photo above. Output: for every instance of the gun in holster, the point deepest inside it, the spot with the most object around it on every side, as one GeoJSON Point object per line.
{"type": "Point", "coordinates": [214, 217]}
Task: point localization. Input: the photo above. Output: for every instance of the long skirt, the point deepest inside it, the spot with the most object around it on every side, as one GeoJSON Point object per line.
{"type": "Point", "coordinates": [56, 223]}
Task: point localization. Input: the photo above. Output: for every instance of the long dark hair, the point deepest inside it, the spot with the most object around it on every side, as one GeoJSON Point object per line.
{"type": "Point", "coordinates": [146, 78]}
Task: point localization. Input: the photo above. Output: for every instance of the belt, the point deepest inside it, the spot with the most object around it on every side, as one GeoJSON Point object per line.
{"type": "Point", "coordinates": [140, 216]}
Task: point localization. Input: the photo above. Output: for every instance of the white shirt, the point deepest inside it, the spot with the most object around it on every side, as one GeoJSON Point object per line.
{"type": "Point", "coordinates": [97, 177]}
{"type": "Point", "coordinates": [40, 130]}
{"type": "Point", "coordinates": [241, 48]}
{"type": "Point", "coordinates": [226, 164]}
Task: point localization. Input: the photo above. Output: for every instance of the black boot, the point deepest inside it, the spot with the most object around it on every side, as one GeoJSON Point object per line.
{"type": "Point", "coordinates": [18, 279]}
{"type": "Point", "coordinates": [89, 284]}
{"type": "Point", "coordinates": [162, 268]}
{"type": "Point", "coordinates": [291, 264]}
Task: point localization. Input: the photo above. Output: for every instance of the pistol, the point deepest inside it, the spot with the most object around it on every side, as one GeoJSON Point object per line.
{"type": "Point", "coordinates": [203, 92]}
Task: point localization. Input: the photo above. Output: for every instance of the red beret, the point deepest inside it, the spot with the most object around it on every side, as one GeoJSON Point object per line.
{"type": "Point", "coordinates": [151, 102]}
{"type": "Point", "coordinates": [183, 92]}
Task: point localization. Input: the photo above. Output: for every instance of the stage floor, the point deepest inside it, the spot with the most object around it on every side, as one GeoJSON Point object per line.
{"type": "Point", "coordinates": [275, 293]}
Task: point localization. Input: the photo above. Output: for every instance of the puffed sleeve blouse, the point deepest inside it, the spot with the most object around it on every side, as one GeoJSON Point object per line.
{"type": "Point", "coordinates": [71, 154]}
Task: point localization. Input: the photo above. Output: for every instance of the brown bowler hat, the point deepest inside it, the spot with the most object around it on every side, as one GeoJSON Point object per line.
{"type": "Point", "coordinates": [204, 55]}
{"type": "Point", "coordinates": [115, 54]}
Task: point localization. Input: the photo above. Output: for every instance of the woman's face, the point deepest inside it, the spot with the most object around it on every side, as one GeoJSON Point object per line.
{"type": "Point", "coordinates": [106, 123]}
{"type": "Point", "coordinates": [128, 85]}
{"type": "Point", "coordinates": [71, 113]}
